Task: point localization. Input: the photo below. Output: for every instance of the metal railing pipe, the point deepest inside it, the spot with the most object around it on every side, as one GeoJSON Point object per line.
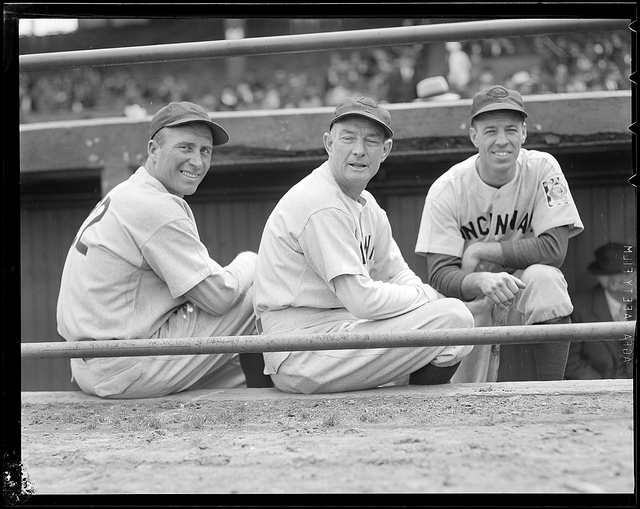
{"type": "Point", "coordinates": [550, 333]}
{"type": "Point", "coordinates": [377, 37]}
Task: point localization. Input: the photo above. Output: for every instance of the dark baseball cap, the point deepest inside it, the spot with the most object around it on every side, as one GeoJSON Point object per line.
{"type": "Point", "coordinates": [497, 98]}
{"type": "Point", "coordinates": [184, 112]}
{"type": "Point", "coordinates": [363, 107]}
{"type": "Point", "coordinates": [613, 258]}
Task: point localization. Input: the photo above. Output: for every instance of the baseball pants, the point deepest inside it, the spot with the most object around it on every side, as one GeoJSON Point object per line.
{"type": "Point", "coordinates": [154, 376]}
{"type": "Point", "coordinates": [328, 371]}
{"type": "Point", "coordinates": [544, 300]}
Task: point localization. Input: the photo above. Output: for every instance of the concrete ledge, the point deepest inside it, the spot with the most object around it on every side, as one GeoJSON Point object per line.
{"type": "Point", "coordinates": [294, 135]}
{"type": "Point", "coordinates": [553, 388]}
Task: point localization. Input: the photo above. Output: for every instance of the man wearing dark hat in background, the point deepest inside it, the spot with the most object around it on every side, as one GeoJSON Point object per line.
{"type": "Point", "coordinates": [328, 263]}
{"type": "Point", "coordinates": [494, 232]}
{"type": "Point", "coordinates": [138, 270]}
{"type": "Point", "coordinates": [612, 299]}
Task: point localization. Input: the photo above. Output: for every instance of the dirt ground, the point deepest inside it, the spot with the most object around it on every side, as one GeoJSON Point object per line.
{"type": "Point", "coordinates": [521, 437]}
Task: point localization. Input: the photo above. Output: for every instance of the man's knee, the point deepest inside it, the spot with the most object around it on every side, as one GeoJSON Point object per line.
{"type": "Point", "coordinates": [295, 384]}
{"type": "Point", "coordinates": [107, 377]}
{"type": "Point", "coordinates": [546, 296]}
{"type": "Point", "coordinates": [539, 273]}
{"type": "Point", "coordinates": [460, 315]}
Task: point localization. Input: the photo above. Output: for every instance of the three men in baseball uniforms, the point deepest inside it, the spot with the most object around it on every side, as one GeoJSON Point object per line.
{"type": "Point", "coordinates": [138, 269]}
{"type": "Point", "coordinates": [494, 232]}
{"type": "Point", "coordinates": [328, 262]}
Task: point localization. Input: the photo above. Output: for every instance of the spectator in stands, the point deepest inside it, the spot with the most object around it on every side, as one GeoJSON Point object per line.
{"type": "Point", "coordinates": [459, 65]}
{"type": "Point", "coordinates": [245, 95]}
{"type": "Point", "coordinates": [595, 62]}
{"type": "Point", "coordinates": [25, 96]}
{"type": "Point", "coordinates": [486, 80]}
{"type": "Point", "coordinates": [271, 99]}
{"type": "Point", "coordinates": [561, 78]}
{"type": "Point", "coordinates": [337, 83]}
{"type": "Point", "coordinates": [541, 82]}
{"type": "Point", "coordinates": [312, 98]}
{"type": "Point", "coordinates": [228, 99]}
{"type": "Point", "coordinates": [401, 84]}
{"type": "Point", "coordinates": [494, 232]}
{"type": "Point", "coordinates": [328, 263]}
{"type": "Point", "coordinates": [612, 299]}
{"type": "Point", "coordinates": [137, 269]}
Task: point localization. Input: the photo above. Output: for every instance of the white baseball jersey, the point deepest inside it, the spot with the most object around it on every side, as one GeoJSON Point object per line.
{"type": "Point", "coordinates": [316, 233]}
{"type": "Point", "coordinates": [460, 209]}
{"type": "Point", "coordinates": [131, 263]}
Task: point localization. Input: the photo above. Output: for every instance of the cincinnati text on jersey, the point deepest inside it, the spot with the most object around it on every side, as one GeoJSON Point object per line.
{"type": "Point", "coordinates": [481, 226]}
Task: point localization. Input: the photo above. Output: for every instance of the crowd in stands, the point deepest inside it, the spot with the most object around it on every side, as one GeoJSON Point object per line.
{"type": "Point", "coordinates": [577, 63]}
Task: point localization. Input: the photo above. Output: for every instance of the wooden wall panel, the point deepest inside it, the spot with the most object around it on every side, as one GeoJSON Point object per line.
{"type": "Point", "coordinates": [608, 214]}
{"type": "Point", "coordinates": [404, 214]}
{"type": "Point", "coordinates": [46, 234]}
{"type": "Point", "coordinates": [227, 228]}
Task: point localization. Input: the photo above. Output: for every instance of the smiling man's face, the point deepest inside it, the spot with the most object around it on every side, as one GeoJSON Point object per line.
{"type": "Point", "coordinates": [356, 148]}
{"type": "Point", "coordinates": [181, 157]}
{"type": "Point", "coordinates": [498, 137]}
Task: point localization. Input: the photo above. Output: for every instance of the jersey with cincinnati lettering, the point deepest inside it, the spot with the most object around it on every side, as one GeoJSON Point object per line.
{"type": "Point", "coordinates": [461, 209]}
{"type": "Point", "coordinates": [316, 233]}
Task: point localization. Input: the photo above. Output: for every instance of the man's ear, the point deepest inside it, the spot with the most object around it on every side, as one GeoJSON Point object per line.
{"type": "Point", "coordinates": [524, 132]}
{"type": "Point", "coordinates": [388, 144]}
{"type": "Point", "coordinates": [152, 147]}
{"type": "Point", "coordinates": [473, 136]}
{"type": "Point", "coordinates": [327, 141]}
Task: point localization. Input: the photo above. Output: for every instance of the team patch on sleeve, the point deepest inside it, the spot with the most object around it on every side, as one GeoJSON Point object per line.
{"type": "Point", "coordinates": [557, 192]}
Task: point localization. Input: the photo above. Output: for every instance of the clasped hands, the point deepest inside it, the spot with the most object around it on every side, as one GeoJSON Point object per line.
{"type": "Point", "coordinates": [500, 287]}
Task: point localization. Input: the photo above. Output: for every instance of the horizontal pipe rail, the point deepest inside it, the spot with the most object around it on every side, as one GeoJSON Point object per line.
{"type": "Point", "coordinates": [315, 42]}
{"type": "Point", "coordinates": [603, 331]}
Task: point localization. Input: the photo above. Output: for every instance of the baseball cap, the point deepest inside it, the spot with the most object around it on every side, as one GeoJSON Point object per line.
{"type": "Point", "coordinates": [184, 112]}
{"type": "Point", "coordinates": [363, 107]}
{"type": "Point", "coordinates": [497, 98]}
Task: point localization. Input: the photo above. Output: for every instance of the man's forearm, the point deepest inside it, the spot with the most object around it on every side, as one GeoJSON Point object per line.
{"type": "Point", "coordinates": [377, 300]}
{"type": "Point", "coordinates": [471, 285]}
{"type": "Point", "coordinates": [549, 248]}
{"type": "Point", "coordinates": [482, 251]}
{"type": "Point", "coordinates": [218, 292]}
{"type": "Point", "coordinates": [445, 274]}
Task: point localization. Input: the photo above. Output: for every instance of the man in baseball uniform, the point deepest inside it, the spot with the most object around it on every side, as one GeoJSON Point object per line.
{"type": "Point", "coordinates": [328, 262]}
{"type": "Point", "coordinates": [137, 269]}
{"type": "Point", "coordinates": [494, 232]}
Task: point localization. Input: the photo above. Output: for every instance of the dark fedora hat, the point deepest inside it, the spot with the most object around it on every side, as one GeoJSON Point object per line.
{"type": "Point", "coordinates": [613, 258]}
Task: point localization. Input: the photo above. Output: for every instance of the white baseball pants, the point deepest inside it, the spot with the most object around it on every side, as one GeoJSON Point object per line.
{"type": "Point", "coordinates": [327, 371]}
{"type": "Point", "coordinates": [154, 376]}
